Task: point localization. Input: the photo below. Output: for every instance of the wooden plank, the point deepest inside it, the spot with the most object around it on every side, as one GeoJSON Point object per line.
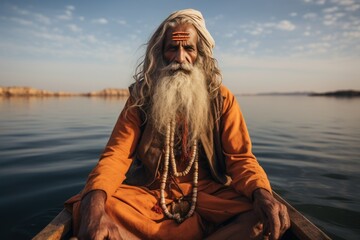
{"type": "Point", "coordinates": [301, 227]}
{"type": "Point", "coordinates": [57, 228]}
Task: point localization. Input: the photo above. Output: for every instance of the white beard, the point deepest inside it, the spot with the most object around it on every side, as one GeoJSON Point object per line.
{"type": "Point", "coordinates": [181, 94]}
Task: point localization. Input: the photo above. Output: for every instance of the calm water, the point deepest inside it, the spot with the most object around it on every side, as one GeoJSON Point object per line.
{"type": "Point", "coordinates": [309, 146]}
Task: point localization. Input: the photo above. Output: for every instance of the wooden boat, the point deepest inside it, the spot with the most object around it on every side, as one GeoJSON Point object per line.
{"type": "Point", "coordinates": [301, 228]}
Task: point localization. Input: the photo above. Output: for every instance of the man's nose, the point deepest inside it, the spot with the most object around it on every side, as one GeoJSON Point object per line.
{"type": "Point", "coordinates": [180, 56]}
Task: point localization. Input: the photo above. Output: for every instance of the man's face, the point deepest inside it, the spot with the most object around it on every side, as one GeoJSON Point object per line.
{"type": "Point", "coordinates": [181, 44]}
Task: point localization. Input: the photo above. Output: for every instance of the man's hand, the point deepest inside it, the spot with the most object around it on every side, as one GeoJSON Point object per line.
{"type": "Point", "coordinates": [273, 214]}
{"type": "Point", "coordinates": [95, 223]}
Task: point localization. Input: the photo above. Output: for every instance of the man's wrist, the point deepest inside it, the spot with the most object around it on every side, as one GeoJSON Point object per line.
{"type": "Point", "coordinates": [260, 193]}
{"type": "Point", "coordinates": [94, 198]}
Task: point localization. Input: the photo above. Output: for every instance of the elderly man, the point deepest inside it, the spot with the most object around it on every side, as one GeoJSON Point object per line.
{"type": "Point", "coordinates": [178, 164]}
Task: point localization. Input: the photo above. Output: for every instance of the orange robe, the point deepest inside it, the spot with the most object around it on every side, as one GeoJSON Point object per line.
{"type": "Point", "coordinates": [134, 207]}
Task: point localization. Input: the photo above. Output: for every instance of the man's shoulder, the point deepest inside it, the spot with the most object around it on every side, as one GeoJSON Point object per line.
{"type": "Point", "coordinates": [225, 92]}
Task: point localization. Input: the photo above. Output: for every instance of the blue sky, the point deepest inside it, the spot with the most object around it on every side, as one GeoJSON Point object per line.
{"type": "Point", "coordinates": [261, 45]}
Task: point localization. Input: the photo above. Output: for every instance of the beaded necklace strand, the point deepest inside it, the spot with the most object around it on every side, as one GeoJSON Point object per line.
{"type": "Point", "coordinates": [169, 154]}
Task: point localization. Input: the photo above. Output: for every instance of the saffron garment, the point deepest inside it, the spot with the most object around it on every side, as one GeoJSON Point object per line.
{"type": "Point", "coordinates": [137, 208]}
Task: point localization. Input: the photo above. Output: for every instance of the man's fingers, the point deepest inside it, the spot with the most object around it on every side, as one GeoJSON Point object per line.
{"type": "Point", "coordinates": [280, 223]}
{"type": "Point", "coordinates": [264, 220]}
{"type": "Point", "coordinates": [274, 222]}
{"type": "Point", "coordinates": [266, 231]}
{"type": "Point", "coordinates": [284, 219]}
{"type": "Point", "coordinates": [270, 222]}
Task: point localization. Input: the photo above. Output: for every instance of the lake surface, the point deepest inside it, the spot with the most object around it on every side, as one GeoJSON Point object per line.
{"type": "Point", "coordinates": [309, 146]}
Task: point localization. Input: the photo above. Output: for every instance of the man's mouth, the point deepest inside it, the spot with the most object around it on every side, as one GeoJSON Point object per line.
{"type": "Point", "coordinates": [175, 67]}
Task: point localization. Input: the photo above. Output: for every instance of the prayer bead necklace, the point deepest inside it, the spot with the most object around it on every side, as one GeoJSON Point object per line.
{"type": "Point", "coordinates": [169, 153]}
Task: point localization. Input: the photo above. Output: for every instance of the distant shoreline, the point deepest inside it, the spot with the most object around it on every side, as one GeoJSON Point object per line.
{"type": "Point", "coordinates": [33, 92]}
{"type": "Point", "coordinates": [338, 93]}
{"type": "Point", "coordinates": [120, 92]}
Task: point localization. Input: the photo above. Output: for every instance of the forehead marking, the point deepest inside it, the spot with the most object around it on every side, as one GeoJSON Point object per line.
{"type": "Point", "coordinates": [180, 36]}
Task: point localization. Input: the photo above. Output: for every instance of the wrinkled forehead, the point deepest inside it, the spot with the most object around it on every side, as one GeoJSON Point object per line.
{"type": "Point", "coordinates": [182, 32]}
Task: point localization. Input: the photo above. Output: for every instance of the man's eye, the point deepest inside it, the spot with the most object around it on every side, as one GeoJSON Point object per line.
{"type": "Point", "coordinates": [172, 48]}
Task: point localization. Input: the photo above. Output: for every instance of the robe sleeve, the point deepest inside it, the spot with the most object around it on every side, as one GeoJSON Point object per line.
{"type": "Point", "coordinates": [115, 161]}
{"type": "Point", "coordinates": [241, 165]}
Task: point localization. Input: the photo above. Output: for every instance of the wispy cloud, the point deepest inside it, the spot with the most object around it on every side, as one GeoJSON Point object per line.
{"type": "Point", "coordinates": [34, 16]}
{"type": "Point", "coordinates": [343, 2]}
{"type": "Point", "coordinates": [353, 7]}
{"type": "Point", "coordinates": [91, 38]}
{"type": "Point", "coordinates": [240, 42]}
{"type": "Point", "coordinates": [310, 16]}
{"type": "Point", "coordinates": [348, 5]}
{"type": "Point", "coordinates": [285, 25]}
{"type": "Point", "coordinates": [19, 21]}
{"type": "Point", "coordinates": [331, 19]}
{"type": "Point", "coordinates": [268, 27]}
{"type": "Point", "coordinates": [312, 48]}
{"type": "Point", "coordinates": [42, 19]}
{"type": "Point", "coordinates": [68, 13]}
{"type": "Point", "coordinates": [352, 34]}
{"type": "Point", "coordinates": [214, 20]}
{"type": "Point", "coordinates": [121, 22]}
{"type": "Point", "coordinates": [74, 28]}
{"type": "Point", "coordinates": [254, 45]}
{"type": "Point", "coordinates": [70, 7]}
{"type": "Point", "coordinates": [307, 31]}
{"type": "Point", "coordinates": [20, 10]}
{"type": "Point", "coordinates": [100, 21]}
{"type": "Point", "coordinates": [258, 30]}
{"type": "Point", "coordinates": [230, 34]}
{"type": "Point", "coordinates": [318, 2]}
{"type": "Point", "coordinates": [330, 10]}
